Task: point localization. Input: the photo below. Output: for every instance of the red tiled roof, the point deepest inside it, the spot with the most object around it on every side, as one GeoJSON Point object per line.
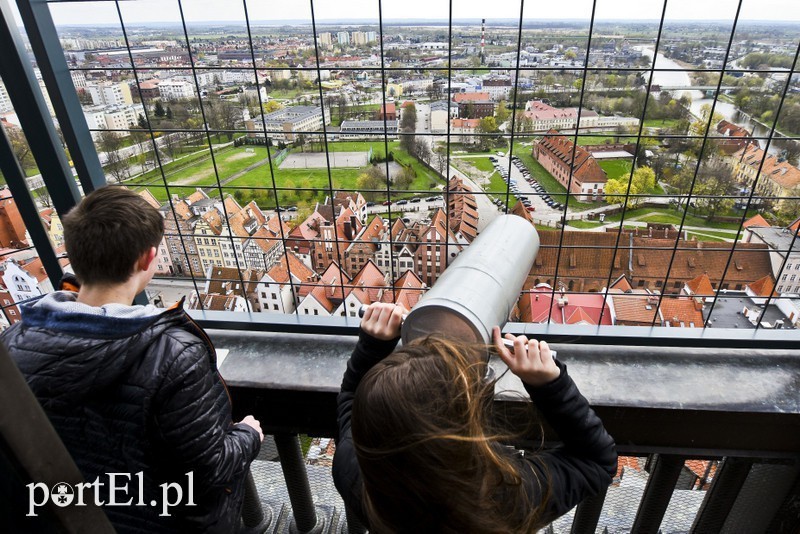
{"type": "Point", "coordinates": [674, 311]}
{"type": "Point", "coordinates": [632, 308]}
{"type": "Point", "coordinates": [196, 197]}
{"type": "Point", "coordinates": [148, 196]}
{"type": "Point", "coordinates": [536, 305]}
{"type": "Point", "coordinates": [368, 283]}
{"type": "Point", "coordinates": [585, 168]}
{"type": "Point", "coordinates": [328, 291]}
{"type": "Point", "coordinates": [750, 261]}
{"type": "Point", "coordinates": [757, 220]}
{"type": "Point", "coordinates": [701, 286]}
{"type": "Point", "coordinates": [782, 173]}
{"type": "Point", "coordinates": [408, 289]}
{"type": "Point", "coordinates": [763, 287]}
{"type": "Point", "coordinates": [622, 283]}
{"type": "Point", "coordinates": [469, 124]}
{"type": "Point", "coordinates": [471, 97]}
{"type": "Point", "coordinates": [280, 273]}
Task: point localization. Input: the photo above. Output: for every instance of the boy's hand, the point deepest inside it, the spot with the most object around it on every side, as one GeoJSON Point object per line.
{"type": "Point", "coordinates": [253, 422]}
{"type": "Point", "coordinates": [383, 321]}
{"type": "Point", "coordinates": [531, 360]}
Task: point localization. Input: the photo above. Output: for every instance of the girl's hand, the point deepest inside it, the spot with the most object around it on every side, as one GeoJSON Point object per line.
{"type": "Point", "coordinates": [383, 321]}
{"type": "Point", "coordinates": [531, 360]}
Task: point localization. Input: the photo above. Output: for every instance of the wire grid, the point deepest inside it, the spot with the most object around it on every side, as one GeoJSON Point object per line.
{"type": "Point", "coordinates": [587, 63]}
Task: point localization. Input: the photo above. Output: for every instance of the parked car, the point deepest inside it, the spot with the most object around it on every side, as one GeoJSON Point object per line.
{"type": "Point", "coordinates": [370, 204]}
{"type": "Point", "coordinates": [415, 200]}
{"type": "Point", "coordinates": [291, 208]}
{"type": "Point", "coordinates": [402, 202]}
{"type": "Point", "coordinates": [387, 203]}
{"type": "Point", "coordinates": [530, 208]}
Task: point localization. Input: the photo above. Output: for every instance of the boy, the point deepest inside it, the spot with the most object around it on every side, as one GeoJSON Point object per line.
{"type": "Point", "coordinates": [133, 389]}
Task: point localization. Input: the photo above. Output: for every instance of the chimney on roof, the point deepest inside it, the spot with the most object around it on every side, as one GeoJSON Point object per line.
{"type": "Point", "coordinates": [348, 231]}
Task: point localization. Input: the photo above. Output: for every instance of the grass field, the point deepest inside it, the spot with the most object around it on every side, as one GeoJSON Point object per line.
{"type": "Point", "coordinates": [584, 224]}
{"type": "Point", "coordinates": [668, 216]}
{"type": "Point", "coordinates": [616, 168]}
{"type": "Point", "coordinates": [197, 170]}
{"type": "Point", "coordinates": [668, 124]}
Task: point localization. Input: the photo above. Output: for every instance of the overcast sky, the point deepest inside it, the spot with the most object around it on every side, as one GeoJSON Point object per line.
{"type": "Point", "coordinates": [143, 11]}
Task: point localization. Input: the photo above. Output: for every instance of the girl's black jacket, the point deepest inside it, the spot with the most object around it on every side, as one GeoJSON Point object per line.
{"type": "Point", "coordinates": [582, 467]}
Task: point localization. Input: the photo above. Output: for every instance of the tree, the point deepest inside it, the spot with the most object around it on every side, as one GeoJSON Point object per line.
{"type": "Point", "coordinates": [502, 112]}
{"type": "Point", "coordinates": [141, 121]}
{"type": "Point", "coordinates": [169, 113]}
{"type": "Point", "coordinates": [373, 179]}
{"type": "Point", "coordinates": [714, 181]}
{"type": "Point", "coordinates": [441, 160]}
{"type": "Point", "coordinates": [487, 125]}
{"type": "Point", "coordinates": [405, 178]}
{"type": "Point", "coordinates": [272, 106]}
{"type": "Point", "coordinates": [20, 147]}
{"type": "Point", "coordinates": [116, 165]}
{"type": "Point", "coordinates": [223, 115]}
{"type": "Point", "coordinates": [408, 119]}
{"type": "Point", "coordinates": [643, 182]}
{"type": "Point", "coordinates": [159, 110]}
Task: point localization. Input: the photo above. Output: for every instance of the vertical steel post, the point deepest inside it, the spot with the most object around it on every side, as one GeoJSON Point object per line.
{"type": "Point", "coordinates": [294, 472]}
{"type": "Point", "coordinates": [587, 513]}
{"type": "Point", "coordinates": [719, 499]}
{"type": "Point", "coordinates": [658, 492]}
{"type": "Point", "coordinates": [15, 178]}
{"type": "Point", "coordinates": [49, 56]}
{"type": "Point", "coordinates": [29, 104]}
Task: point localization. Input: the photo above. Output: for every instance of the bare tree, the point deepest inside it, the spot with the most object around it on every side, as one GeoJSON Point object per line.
{"type": "Point", "coordinates": [116, 165]}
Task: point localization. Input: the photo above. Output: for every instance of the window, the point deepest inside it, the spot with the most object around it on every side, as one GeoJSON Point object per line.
{"type": "Point", "coordinates": [275, 307]}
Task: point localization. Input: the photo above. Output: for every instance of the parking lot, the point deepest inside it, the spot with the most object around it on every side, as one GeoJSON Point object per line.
{"type": "Point", "coordinates": [524, 188]}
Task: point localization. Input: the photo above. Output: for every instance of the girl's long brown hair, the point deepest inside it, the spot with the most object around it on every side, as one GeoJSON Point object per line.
{"type": "Point", "coordinates": [430, 458]}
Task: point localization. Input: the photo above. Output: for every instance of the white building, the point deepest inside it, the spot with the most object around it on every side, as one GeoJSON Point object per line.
{"type": "Point", "coordinates": [281, 289]}
{"type": "Point", "coordinates": [78, 79]}
{"type": "Point", "coordinates": [122, 118]}
{"type": "Point", "coordinates": [26, 283]}
{"type": "Point", "coordinates": [786, 270]}
{"type": "Point", "coordinates": [110, 94]}
{"type": "Point", "coordinates": [5, 101]}
{"type": "Point", "coordinates": [285, 124]}
{"type": "Point", "coordinates": [343, 38]}
{"type": "Point", "coordinates": [176, 89]}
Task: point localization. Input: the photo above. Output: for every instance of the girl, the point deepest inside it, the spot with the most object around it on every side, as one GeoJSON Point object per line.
{"type": "Point", "coordinates": [417, 451]}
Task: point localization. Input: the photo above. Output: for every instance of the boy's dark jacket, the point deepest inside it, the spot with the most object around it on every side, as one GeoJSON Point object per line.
{"type": "Point", "coordinates": [139, 395]}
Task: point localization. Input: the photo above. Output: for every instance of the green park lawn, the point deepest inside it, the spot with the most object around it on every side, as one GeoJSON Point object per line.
{"type": "Point", "coordinates": [198, 169]}
{"type": "Point", "coordinates": [667, 124]}
{"type": "Point", "coordinates": [616, 168]}
{"type": "Point", "coordinates": [584, 225]}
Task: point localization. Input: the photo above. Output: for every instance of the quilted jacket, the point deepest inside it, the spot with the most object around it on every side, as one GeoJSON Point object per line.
{"type": "Point", "coordinates": [139, 395]}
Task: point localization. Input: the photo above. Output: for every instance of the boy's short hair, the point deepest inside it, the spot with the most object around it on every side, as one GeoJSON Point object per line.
{"type": "Point", "coordinates": [108, 232]}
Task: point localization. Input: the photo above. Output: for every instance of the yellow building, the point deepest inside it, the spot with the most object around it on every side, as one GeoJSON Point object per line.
{"type": "Point", "coordinates": [394, 90]}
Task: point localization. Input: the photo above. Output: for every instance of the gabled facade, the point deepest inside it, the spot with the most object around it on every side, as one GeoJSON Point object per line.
{"type": "Point", "coordinates": [282, 288]}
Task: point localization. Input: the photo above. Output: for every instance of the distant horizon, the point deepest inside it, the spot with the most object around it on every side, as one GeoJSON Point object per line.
{"type": "Point", "coordinates": [426, 22]}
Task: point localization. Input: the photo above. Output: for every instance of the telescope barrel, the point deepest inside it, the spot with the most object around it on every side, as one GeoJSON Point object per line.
{"type": "Point", "coordinates": [480, 288]}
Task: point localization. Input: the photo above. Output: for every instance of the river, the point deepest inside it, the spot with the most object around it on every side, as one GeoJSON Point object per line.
{"type": "Point", "coordinates": [678, 78]}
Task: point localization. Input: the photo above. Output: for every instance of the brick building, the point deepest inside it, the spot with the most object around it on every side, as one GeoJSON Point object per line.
{"type": "Point", "coordinates": [474, 105]}
{"type": "Point", "coordinates": [555, 153]}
